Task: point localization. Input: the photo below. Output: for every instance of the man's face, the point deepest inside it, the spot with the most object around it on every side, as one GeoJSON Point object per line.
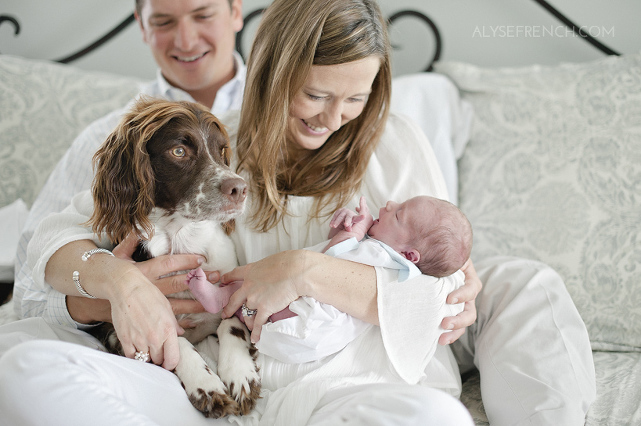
{"type": "Point", "coordinates": [192, 40]}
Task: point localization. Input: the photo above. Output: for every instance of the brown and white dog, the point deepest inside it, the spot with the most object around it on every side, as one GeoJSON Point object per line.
{"type": "Point", "coordinates": [164, 175]}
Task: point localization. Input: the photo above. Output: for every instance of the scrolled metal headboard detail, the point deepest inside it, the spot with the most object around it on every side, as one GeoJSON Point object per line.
{"type": "Point", "coordinates": [438, 43]}
{"type": "Point", "coordinates": [102, 40]}
{"type": "Point", "coordinates": [577, 29]}
{"type": "Point", "coordinates": [13, 21]}
{"type": "Point", "coordinates": [391, 20]}
{"type": "Point", "coordinates": [239, 36]}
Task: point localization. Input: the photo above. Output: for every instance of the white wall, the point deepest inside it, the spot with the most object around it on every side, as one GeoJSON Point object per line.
{"type": "Point", "coordinates": [484, 32]}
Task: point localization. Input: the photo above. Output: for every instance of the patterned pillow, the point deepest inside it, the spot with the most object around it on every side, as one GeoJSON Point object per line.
{"type": "Point", "coordinates": [43, 107]}
{"type": "Point", "coordinates": [553, 172]}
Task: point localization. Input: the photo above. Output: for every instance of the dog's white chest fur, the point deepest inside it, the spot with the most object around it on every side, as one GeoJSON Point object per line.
{"type": "Point", "coordinates": [176, 235]}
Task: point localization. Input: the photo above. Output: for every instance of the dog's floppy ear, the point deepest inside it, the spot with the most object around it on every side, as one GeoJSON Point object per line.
{"type": "Point", "coordinates": [123, 186]}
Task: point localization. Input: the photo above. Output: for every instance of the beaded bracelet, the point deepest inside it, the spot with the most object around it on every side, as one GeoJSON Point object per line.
{"type": "Point", "coordinates": [76, 275]}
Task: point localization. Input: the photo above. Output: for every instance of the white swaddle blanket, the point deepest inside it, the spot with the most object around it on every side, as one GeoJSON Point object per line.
{"type": "Point", "coordinates": [341, 350]}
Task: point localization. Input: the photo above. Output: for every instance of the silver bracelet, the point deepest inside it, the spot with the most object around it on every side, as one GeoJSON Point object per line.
{"type": "Point", "coordinates": [86, 255]}
{"type": "Point", "coordinates": [82, 291]}
{"type": "Point", "coordinates": [76, 275]}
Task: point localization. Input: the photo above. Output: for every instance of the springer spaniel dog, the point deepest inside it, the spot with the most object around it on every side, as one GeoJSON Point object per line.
{"type": "Point", "coordinates": [163, 174]}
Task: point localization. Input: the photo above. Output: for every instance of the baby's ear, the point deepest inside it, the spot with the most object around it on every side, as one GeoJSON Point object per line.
{"type": "Point", "coordinates": [412, 255]}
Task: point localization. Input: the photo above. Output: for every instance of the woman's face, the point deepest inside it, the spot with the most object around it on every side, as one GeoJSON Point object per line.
{"type": "Point", "coordinates": [331, 96]}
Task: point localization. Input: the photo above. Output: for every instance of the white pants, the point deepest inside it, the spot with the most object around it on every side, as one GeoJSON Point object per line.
{"type": "Point", "coordinates": [54, 382]}
{"type": "Point", "coordinates": [530, 346]}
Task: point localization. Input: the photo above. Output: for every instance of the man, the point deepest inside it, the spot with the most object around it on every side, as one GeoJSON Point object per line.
{"type": "Point", "coordinates": [193, 43]}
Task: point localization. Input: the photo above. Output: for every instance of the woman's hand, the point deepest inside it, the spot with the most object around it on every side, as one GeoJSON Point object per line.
{"type": "Point", "coordinates": [269, 286]}
{"type": "Point", "coordinates": [161, 271]}
{"type": "Point", "coordinates": [88, 311]}
{"type": "Point", "coordinates": [144, 319]}
{"type": "Point", "coordinates": [467, 294]}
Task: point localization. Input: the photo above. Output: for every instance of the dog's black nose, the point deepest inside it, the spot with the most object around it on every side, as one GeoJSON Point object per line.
{"type": "Point", "coordinates": [235, 189]}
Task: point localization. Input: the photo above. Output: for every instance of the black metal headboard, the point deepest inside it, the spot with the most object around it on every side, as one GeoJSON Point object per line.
{"type": "Point", "coordinates": [412, 14]}
{"type": "Point", "coordinates": [392, 20]}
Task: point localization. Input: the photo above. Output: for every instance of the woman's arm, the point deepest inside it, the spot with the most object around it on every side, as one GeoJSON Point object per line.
{"type": "Point", "coordinates": [141, 314]}
{"type": "Point", "coordinates": [272, 283]}
{"type": "Point", "coordinates": [409, 312]}
{"type": "Point", "coordinates": [90, 311]}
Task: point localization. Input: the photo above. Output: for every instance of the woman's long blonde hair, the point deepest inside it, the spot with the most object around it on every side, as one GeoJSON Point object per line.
{"type": "Point", "coordinates": [293, 36]}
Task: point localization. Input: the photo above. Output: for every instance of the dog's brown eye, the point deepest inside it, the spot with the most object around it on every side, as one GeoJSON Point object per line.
{"type": "Point", "coordinates": [223, 154]}
{"type": "Point", "coordinates": [179, 152]}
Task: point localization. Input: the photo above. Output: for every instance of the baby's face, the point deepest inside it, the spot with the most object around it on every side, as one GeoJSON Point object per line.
{"type": "Point", "coordinates": [395, 223]}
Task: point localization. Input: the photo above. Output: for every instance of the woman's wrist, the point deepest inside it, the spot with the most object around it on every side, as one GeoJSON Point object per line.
{"type": "Point", "coordinates": [305, 286]}
{"type": "Point", "coordinates": [122, 281]}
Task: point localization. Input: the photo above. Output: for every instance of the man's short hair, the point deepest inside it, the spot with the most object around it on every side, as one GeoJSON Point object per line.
{"type": "Point", "coordinates": [140, 4]}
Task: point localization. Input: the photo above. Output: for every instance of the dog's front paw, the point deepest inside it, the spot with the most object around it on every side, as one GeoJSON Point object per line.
{"type": "Point", "coordinates": [245, 395]}
{"type": "Point", "coordinates": [213, 404]}
{"type": "Point", "coordinates": [242, 380]}
{"type": "Point", "coordinates": [206, 391]}
{"type": "Point", "coordinates": [237, 364]}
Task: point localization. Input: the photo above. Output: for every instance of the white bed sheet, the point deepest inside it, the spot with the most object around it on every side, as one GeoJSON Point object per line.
{"type": "Point", "coordinates": [618, 390]}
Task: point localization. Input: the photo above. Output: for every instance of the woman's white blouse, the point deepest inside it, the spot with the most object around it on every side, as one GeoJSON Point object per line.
{"type": "Point", "coordinates": [410, 313]}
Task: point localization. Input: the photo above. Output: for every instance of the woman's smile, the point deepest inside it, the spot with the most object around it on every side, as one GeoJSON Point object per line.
{"type": "Point", "coordinates": [315, 129]}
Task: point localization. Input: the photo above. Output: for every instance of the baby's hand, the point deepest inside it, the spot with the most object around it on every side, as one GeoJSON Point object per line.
{"type": "Point", "coordinates": [345, 219]}
{"type": "Point", "coordinates": [363, 209]}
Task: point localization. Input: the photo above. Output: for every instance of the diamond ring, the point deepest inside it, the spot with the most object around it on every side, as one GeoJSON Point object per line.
{"type": "Point", "coordinates": [141, 356]}
{"type": "Point", "coordinates": [248, 312]}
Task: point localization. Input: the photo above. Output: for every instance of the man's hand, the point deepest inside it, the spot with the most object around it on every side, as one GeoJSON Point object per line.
{"type": "Point", "coordinates": [465, 294]}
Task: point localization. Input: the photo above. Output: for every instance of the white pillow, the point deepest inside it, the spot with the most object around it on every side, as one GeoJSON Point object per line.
{"type": "Point", "coordinates": [552, 172]}
{"type": "Point", "coordinates": [43, 107]}
{"type": "Point", "coordinates": [433, 102]}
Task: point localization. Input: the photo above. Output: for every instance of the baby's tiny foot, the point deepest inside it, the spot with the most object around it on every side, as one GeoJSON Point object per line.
{"type": "Point", "coordinates": [208, 294]}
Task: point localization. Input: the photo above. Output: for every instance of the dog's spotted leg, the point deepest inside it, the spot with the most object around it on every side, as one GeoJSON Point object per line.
{"type": "Point", "coordinates": [205, 389]}
{"type": "Point", "coordinates": [237, 364]}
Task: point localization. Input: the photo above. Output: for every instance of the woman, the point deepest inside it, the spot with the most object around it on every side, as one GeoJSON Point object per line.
{"type": "Point", "coordinates": [315, 135]}
{"type": "Point", "coordinates": [321, 160]}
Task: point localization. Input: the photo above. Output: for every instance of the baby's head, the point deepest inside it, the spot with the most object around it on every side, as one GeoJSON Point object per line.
{"type": "Point", "coordinates": [432, 233]}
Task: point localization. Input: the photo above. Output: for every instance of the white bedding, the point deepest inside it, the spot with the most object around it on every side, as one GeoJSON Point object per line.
{"type": "Point", "coordinates": [618, 377]}
{"type": "Point", "coordinates": [46, 99]}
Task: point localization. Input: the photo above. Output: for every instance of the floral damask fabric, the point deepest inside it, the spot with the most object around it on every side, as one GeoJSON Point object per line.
{"type": "Point", "coordinates": [553, 172]}
{"type": "Point", "coordinates": [618, 375]}
{"type": "Point", "coordinates": [62, 100]}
